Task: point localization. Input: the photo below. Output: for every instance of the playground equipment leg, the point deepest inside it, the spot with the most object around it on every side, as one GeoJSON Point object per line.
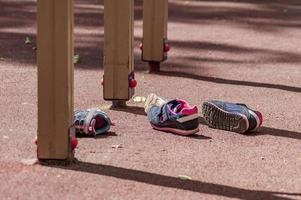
{"type": "Point", "coordinates": [154, 44]}
{"type": "Point", "coordinates": [119, 79]}
{"type": "Point", "coordinates": [55, 79]}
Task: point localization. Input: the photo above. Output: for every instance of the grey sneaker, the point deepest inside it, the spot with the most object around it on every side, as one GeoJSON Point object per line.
{"type": "Point", "coordinates": [231, 116]}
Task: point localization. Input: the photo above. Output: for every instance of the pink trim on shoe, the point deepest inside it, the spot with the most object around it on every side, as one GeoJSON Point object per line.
{"type": "Point", "coordinates": [259, 117]}
{"type": "Point", "coordinates": [189, 111]}
{"type": "Point", "coordinates": [185, 108]}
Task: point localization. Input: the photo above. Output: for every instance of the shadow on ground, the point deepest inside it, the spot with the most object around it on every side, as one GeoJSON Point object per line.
{"type": "Point", "coordinates": [266, 15]}
{"type": "Point", "coordinates": [130, 109]}
{"type": "Point", "coordinates": [228, 81]}
{"type": "Point", "coordinates": [174, 182]}
{"type": "Point", "coordinates": [278, 132]}
{"type": "Point", "coordinates": [262, 15]}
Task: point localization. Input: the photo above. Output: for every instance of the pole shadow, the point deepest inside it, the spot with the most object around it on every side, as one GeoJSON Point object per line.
{"type": "Point", "coordinates": [174, 182]}
{"type": "Point", "coordinates": [229, 82]}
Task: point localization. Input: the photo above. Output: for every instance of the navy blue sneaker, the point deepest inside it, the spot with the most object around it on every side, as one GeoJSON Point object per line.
{"type": "Point", "coordinates": [231, 116]}
{"type": "Point", "coordinates": [175, 116]}
{"type": "Point", "coordinates": [91, 122]}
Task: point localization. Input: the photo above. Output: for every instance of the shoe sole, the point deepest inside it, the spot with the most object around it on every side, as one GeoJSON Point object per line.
{"type": "Point", "coordinates": [176, 131]}
{"type": "Point", "coordinates": [220, 119]}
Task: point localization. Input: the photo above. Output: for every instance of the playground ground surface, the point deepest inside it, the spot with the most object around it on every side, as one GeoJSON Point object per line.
{"type": "Point", "coordinates": [241, 51]}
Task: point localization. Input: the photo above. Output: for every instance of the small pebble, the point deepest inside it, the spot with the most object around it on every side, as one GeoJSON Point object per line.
{"type": "Point", "coordinates": [184, 177]}
{"type": "Point", "coordinates": [31, 161]}
{"type": "Point", "coordinates": [117, 146]}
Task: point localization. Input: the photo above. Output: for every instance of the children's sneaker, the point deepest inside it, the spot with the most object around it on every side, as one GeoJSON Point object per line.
{"type": "Point", "coordinates": [91, 122]}
{"type": "Point", "coordinates": [175, 116]}
{"type": "Point", "coordinates": [231, 116]}
{"type": "Point", "coordinates": [153, 100]}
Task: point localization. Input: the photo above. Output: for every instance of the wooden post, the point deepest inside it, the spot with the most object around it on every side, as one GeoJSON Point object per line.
{"type": "Point", "coordinates": [155, 16]}
{"type": "Point", "coordinates": [55, 78]}
{"type": "Point", "coordinates": [118, 50]}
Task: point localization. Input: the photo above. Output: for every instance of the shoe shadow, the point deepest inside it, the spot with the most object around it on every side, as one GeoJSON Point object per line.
{"type": "Point", "coordinates": [200, 137]}
{"type": "Point", "coordinates": [202, 121]}
{"type": "Point", "coordinates": [130, 109]}
{"type": "Point", "coordinates": [277, 132]}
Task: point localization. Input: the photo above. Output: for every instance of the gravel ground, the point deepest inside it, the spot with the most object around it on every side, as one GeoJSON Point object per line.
{"type": "Point", "coordinates": [240, 51]}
